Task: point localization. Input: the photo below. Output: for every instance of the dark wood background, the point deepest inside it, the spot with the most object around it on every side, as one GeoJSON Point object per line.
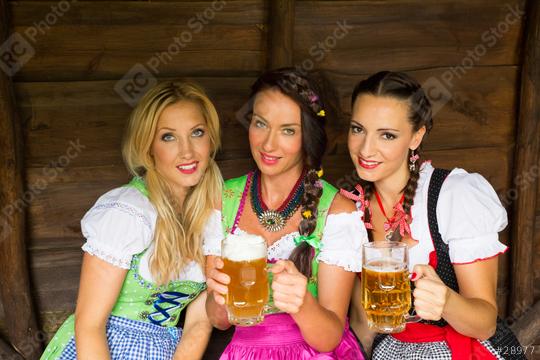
{"type": "Point", "coordinates": [66, 93]}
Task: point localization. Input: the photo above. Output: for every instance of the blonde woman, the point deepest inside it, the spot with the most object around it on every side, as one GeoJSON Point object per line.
{"type": "Point", "coordinates": [143, 260]}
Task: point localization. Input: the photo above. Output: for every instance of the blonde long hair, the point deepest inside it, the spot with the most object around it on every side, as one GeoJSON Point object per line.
{"type": "Point", "coordinates": [179, 227]}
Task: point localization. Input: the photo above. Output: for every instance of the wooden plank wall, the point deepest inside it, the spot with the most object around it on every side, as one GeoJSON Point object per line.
{"type": "Point", "coordinates": [537, 242]}
{"type": "Point", "coordinates": [66, 95]}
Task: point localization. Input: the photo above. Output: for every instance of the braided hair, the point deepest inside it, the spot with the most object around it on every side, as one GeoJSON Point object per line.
{"type": "Point", "coordinates": [307, 95]}
{"type": "Point", "coordinates": [399, 86]}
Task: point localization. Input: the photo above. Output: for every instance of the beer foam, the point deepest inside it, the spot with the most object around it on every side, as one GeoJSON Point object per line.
{"type": "Point", "coordinates": [385, 265]}
{"type": "Point", "coordinates": [244, 247]}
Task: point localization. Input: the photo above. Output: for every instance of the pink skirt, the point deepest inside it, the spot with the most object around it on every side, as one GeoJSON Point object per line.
{"type": "Point", "coordinates": [278, 337]}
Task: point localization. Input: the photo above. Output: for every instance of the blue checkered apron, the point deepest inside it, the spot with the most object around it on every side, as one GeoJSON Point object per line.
{"type": "Point", "coordinates": [134, 340]}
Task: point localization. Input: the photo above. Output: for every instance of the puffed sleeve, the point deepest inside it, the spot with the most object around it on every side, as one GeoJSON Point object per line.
{"type": "Point", "coordinates": [470, 216]}
{"type": "Point", "coordinates": [342, 241]}
{"type": "Point", "coordinates": [213, 234]}
{"type": "Point", "coordinates": [119, 225]}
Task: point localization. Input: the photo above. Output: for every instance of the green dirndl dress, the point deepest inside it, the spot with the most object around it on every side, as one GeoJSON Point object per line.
{"type": "Point", "coordinates": [142, 324]}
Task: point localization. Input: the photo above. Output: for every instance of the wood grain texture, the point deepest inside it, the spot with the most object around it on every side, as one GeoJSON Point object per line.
{"type": "Point", "coordinates": [143, 13]}
{"type": "Point", "coordinates": [536, 264]}
{"type": "Point", "coordinates": [96, 41]}
{"type": "Point", "coordinates": [527, 158]}
{"type": "Point", "coordinates": [526, 326]}
{"type": "Point", "coordinates": [377, 37]}
{"type": "Point", "coordinates": [281, 33]}
{"type": "Point", "coordinates": [19, 313]}
{"type": "Point", "coordinates": [7, 352]}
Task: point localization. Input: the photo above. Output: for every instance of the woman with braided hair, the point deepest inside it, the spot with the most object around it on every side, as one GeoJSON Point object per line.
{"type": "Point", "coordinates": [449, 219]}
{"type": "Point", "coordinates": [314, 237]}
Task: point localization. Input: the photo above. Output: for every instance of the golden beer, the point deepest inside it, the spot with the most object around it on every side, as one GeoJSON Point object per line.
{"type": "Point", "coordinates": [386, 296]}
{"type": "Point", "coordinates": [386, 290]}
{"type": "Point", "coordinates": [244, 258]}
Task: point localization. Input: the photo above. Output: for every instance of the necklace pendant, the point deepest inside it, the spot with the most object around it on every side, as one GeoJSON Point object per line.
{"type": "Point", "coordinates": [271, 220]}
{"type": "Point", "coordinates": [388, 236]}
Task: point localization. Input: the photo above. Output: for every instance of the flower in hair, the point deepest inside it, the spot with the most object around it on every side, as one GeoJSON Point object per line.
{"type": "Point", "coordinates": [318, 184]}
{"type": "Point", "coordinates": [307, 214]}
{"type": "Point", "coordinates": [320, 173]}
{"type": "Point", "coordinates": [321, 113]}
{"type": "Point", "coordinates": [313, 98]}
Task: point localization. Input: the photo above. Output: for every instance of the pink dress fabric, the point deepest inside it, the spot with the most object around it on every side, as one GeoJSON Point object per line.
{"type": "Point", "coordinates": [279, 338]}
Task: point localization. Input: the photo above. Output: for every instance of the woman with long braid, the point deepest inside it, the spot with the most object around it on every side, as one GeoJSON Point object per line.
{"type": "Point", "coordinates": [314, 237]}
{"type": "Point", "coordinates": [449, 219]}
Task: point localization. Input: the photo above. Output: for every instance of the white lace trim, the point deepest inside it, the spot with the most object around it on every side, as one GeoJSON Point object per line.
{"type": "Point", "coordinates": [284, 247]}
{"type": "Point", "coordinates": [126, 209]}
{"type": "Point", "coordinates": [111, 259]}
{"type": "Point", "coordinates": [343, 260]}
{"type": "Point", "coordinates": [464, 251]}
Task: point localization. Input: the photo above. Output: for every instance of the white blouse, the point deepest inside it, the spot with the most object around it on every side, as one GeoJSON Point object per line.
{"type": "Point", "coordinates": [469, 215]}
{"type": "Point", "coordinates": [121, 224]}
{"type": "Point", "coordinates": [341, 244]}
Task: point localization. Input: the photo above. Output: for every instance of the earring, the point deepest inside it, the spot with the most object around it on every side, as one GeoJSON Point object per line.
{"type": "Point", "coordinates": [412, 160]}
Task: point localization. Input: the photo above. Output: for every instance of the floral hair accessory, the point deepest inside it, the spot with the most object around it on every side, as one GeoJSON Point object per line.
{"type": "Point", "coordinates": [318, 184]}
{"type": "Point", "coordinates": [320, 173]}
{"type": "Point", "coordinates": [313, 98]}
{"type": "Point", "coordinates": [321, 113]}
{"type": "Point", "coordinates": [307, 214]}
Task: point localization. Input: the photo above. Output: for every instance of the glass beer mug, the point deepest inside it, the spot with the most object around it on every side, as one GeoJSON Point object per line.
{"type": "Point", "coordinates": [244, 258]}
{"type": "Point", "coordinates": [386, 289]}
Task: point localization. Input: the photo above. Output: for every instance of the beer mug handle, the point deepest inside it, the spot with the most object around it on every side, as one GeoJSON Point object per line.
{"type": "Point", "coordinates": [412, 318]}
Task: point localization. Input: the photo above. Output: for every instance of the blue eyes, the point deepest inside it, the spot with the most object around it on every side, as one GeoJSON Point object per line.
{"type": "Point", "coordinates": [261, 125]}
{"type": "Point", "coordinates": [167, 137]}
{"type": "Point", "coordinates": [197, 133]}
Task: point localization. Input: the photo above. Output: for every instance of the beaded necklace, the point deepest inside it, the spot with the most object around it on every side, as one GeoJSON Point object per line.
{"type": "Point", "coordinates": [275, 220]}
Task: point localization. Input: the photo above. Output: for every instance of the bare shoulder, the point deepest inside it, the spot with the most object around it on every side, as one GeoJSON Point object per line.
{"type": "Point", "coordinates": [341, 204]}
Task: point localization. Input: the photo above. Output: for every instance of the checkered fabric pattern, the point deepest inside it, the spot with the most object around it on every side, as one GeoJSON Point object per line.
{"type": "Point", "coordinates": [491, 349]}
{"type": "Point", "coordinates": [134, 340]}
{"type": "Point", "coordinates": [393, 349]}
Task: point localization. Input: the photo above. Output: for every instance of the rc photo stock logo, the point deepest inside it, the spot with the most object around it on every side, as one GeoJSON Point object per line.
{"type": "Point", "coordinates": [141, 77]}
{"type": "Point", "coordinates": [438, 88]}
{"type": "Point", "coordinates": [14, 53]}
{"type": "Point", "coordinates": [17, 50]}
{"type": "Point", "coordinates": [137, 81]}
